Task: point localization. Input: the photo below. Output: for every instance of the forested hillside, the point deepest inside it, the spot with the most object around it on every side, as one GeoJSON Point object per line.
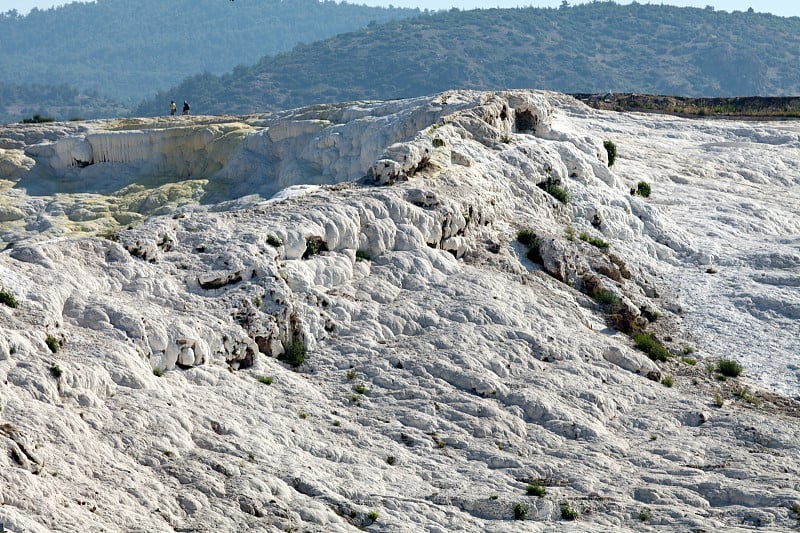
{"type": "Point", "coordinates": [590, 48]}
{"type": "Point", "coordinates": [127, 50]}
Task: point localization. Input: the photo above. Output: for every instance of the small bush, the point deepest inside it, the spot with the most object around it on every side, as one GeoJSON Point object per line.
{"type": "Point", "coordinates": [6, 298]}
{"type": "Point", "coordinates": [570, 233]}
{"type": "Point", "coordinates": [606, 297]}
{"type": "Point", "coordinates": [647, 343]}
{"type": "Point", "coordinates": [688, 350]}
{"type": "Point", "coordinates": [567, 512]}
{"type": "Point", "coordinates": [37, 119]}
{"type": "Point", "coordinates": [373, 515]}
{"type": "Point", "coordinates": [536, 489]}
{"type": "Point", "coordinates": [611, 149]}
{"type": "Point", "coordinates": [521, 511]}
{"type": "Point", "coordinates": [644, 515]}
{"type": "Point", "coordinates": [729, 368]}
{"type": "Point", "coordinates": [494, 497]}
{"type": "Point", "coordinates": [360, 389]}
{"type": "Point", "coordinates": [274, 241]}
{"type": "Point", "coordinates": [691, 361]}
{"type": "Point", "coordinates": [743, 393]}
{"type": "Point", "coordinates": [303, 415]}
{"type": "Point", "coordinates": [266, 380]}
{"type": "Point", "coordinates": [56, 371]}
{"type": "Point", "coordinates": [600, 243]}
{"type": "Point", "coordinates": [526, 237]}
{"type": "Point", "coordinates": [314, 246]}
{"type": "Point", "coordinates": [351, 374]}
{"type": "Point", "coordinates": [363, 255]}
{"type": "Point", "coordinates": [719, 401]}
{"type": "Point", "coordinates": [529, 239]}
{"type": "Point", "coordinates": [668, 381]}
{"type": "Point", "coordinates": [52, 343]}
{"type": "Point", "coordinates": [643, 188]}
{"type": "Point", "coordinates": [295, 353]}
{"type": "Point", "coordinates": [158, 372]}
{"type": "Point", "coordinates": [555, 190]}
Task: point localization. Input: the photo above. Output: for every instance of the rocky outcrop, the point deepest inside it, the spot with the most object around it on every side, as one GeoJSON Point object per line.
{"type": "Point", "coordinates": [376, 346]}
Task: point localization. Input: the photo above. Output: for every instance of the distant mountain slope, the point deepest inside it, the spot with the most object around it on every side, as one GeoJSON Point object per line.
{"type": "Point", "coordinates": [126, 50]}
{"type": "Point", "coordinates": [62, 102]}
{"type": "Point", "coordinates": [595, 47]}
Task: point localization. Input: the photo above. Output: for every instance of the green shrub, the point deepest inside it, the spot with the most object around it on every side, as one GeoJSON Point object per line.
{"type": "Point", "coordinates": [555, 190]}
{"type": "Point", "coordinates": [266, 380]}
{"type": "Point", "coordinates": [361, 389]}
{"type": "Point", "coordinates": [373, 516]}
{"type": "Point", "coordinates": [743, 393]}
{"type": "Point", "coordinates": [37, 119]}
{"type": "Point", "coordinates": [158, 372]}
{"type": "Point", "coordinates": [363, 255]}
{"type": "Point", "coordinates": [719, 401]}
{"type": "Point", "coordinates": [729, 368]}
{"type": "Point", "coordinates": [295, 353]}
{"type": "Point", "coordinates": [647, 343]}
{"type": "Point", "coordinates": [52, 343]}
{"type": "Point", "coordinates": [606, 297]}
{"type": "Point", "coordinates": [536, 489]}
{"type": "Point", "coordinates": [529, 239]}
{"type": "Point", "coordinates": [314, 246]}
{"type": "Point", "coordinates": [56, 371]}
{"type": "Point", "coordinates": [570, 233]}
{"type": "Point", "coordinates": [521, 511]}
{"type": "Point", "coordinates": [6, 298]}
{"type": "Point", "coordinates": [643, 188]}
{"type": "Point", "coordinates": [274, 241]}
{"type": "Point", "coordinates": [644, 515]}
{"type": "Point", "coordinates": [600, 243]}
{"type": "Point", "coordinates": [526, 237]}
{"type": "Point", "coordinates": [567, 512]}
{"type": "Point", "coordinates": [691, 361]}
{"type": "Point", "coordinates": [668, 381]}
{"type": "Point", "coordinates": [611, 149]}
{"type": "Point", "coordinates": [351, 374]}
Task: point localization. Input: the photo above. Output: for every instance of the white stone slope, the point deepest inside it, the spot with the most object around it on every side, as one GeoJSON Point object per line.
{"type": "Point", "coordinates": [444, 371]}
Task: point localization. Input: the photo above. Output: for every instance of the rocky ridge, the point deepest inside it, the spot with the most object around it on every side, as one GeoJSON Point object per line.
{"type": "Point", "coordinates": [374, 315]}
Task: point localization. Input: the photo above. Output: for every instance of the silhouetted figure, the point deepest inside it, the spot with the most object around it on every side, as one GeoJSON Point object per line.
{"type": "Point", "coordinates": [186, 107]}
{"type": "Point", "coordinates": [173, 108]}
{"type": "Point", "coordinates": [596, 222]}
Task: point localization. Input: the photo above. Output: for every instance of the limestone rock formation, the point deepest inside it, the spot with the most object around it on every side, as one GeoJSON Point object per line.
{"type": "Point", "coordinates": [382, 316]}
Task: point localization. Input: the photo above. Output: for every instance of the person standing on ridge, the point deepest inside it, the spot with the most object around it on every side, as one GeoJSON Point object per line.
{"type": "Point", "coordinates": [186, 107]}
{"type": "Point", "coordinates": [173, 108]}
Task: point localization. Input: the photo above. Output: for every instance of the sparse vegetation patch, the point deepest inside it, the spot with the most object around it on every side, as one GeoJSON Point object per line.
{"type": "Point", "coordinates": [654, 349]}
{"type": "Point", "coordinates": [6, 298]}
{"type": "Point", "coordinates": [295, 353]}
{"type": "Point", "coordinates": [729, 368]}
{"type": "Point", "coordinates": [611, 150]}
{"type": "Point", "coordinates": [52, 343]}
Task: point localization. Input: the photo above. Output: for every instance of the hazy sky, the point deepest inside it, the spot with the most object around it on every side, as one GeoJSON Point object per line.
{"type": "Point", "coordinates": [785, 8]}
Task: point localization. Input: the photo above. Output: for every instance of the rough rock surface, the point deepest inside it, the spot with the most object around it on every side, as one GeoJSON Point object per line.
{"type": "Point", "coordinates": [328, 320]}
